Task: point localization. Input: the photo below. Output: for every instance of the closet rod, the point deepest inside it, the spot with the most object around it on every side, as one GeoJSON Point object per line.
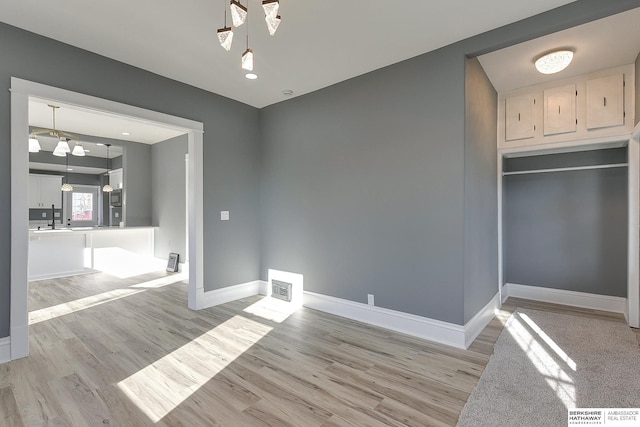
{"type": "Point", "coordinates": [576, 168]}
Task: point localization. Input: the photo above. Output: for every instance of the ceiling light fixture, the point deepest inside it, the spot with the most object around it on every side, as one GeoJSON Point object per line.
{"type": "Point", "coordinates": [66, 186]}
{"type": "Point", "coordinates": [238, 13]}
{"type": "Point", "coordinates": [126, 133]}
{"type": "Point", "coordinates": [554, 61]}
{"type": "Point", "coordinates": [63, 137]}
{"type": "Point", "coordinates": [225, 34]}
{"type": "Point", "coordinates": [251, 76]}
{"type": "Point", "coordinates": [78, 150]}
{"type": "Point", "coordinates": [34, 144]}
{"type": "Point", "coordinates": [107, 187]}
{"type": "Point", "coordinates": [62, 148]}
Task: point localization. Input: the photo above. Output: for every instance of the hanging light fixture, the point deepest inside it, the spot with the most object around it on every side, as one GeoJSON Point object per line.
{"type": "Point", "coordinates": [78, 150]}
{"type": "Point", "coordinates": [63, 137]}
{"type": "Point", "coordinates": [66, 186]}
{"type": "Point", "coordinates": [272, 23]}
{"type": "Point", "coordinates": [271, 7]}
{"type": "Point", "coordinates": [34, 144]}
{"type": "Point", "coordinates": [225, 34]}
{"type": "Point", "coordinates": [238, 13]}
{"type": "Point", "coordinates": [62, 148]}
{"type": "Point", "coordinates": [107, 188]}
{"type": "Point", "coordinates": [247, 56]}
{"type": "Point", "coordinates": [554, 61]}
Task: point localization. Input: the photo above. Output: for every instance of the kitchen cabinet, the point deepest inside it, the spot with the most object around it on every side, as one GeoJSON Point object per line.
{"type": "Point", "coordinates": [560, 110]}
{"type": "Point", "coordinates": [605, 101]}
{"type": "Point", "coordinates": [44, 191]}
{"type": "Point", "coordinates": [115, 178]}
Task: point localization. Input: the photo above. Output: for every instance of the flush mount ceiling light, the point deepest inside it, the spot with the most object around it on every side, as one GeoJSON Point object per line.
{"type": "Point", "coordinates": [107, 188]}
{"type": "Point", "coordinates": [554, 61]}
{"type": "Point", "coordinates": [251, 76]}
{"type": "Point", "coordinates": [238, 13]}
{"type": "Point", "coordinates": [63, 146]}
{"type": "Point", "coordinates": [34, 144]}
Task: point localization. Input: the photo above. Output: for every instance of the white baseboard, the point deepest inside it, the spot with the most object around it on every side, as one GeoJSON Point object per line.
{"type": "Point", "coordinates": [410, 324]}
{"type": "Point", "coordinates": [264, 287]}
{"type": "Point", "coordinates": [571, 298]}
{"type": "Point", "coordinates": [230, 293]}
{"type": "Point", "coordinates": [476, 325]}
{"type": "Point", "coordinates": [5, 349]}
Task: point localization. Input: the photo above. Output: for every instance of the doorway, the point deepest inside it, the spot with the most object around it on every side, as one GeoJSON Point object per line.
{"type": "Point", "coordinates": [21, 91]}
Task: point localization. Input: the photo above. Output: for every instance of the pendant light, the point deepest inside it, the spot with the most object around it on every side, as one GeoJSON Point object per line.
{"type": "Point", "coordinates": [107, 188]}
{"type": "Point", "coordinates": [225, 34]}
{"type": "Point", "coordinates": [34, 144]}
{"type": "Point", "coordinates": [62, 148]}
{"type": "Point", "coordinates": [272, 18]}
{"type": "Point", "coordinates": [78, 150]}
{"type": "Point", "coordinates": [238, 13]}
{"type": "Point", "coordinates": [66, 186]}
{"type": "Point", "coordinates": [247, 56]}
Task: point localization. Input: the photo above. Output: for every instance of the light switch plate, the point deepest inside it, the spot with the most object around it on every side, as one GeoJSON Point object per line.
{"type": "Point", "coordinates": [117, 215]}
{"type": "Point", "coordinates": [224, 215]}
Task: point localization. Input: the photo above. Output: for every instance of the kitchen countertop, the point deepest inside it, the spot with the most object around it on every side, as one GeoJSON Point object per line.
{"type": "Point", "coordinates": [84, 229]}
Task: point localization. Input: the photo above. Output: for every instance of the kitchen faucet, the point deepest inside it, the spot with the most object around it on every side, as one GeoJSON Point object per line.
{"type": "Point", "coordinates": [53, 217]}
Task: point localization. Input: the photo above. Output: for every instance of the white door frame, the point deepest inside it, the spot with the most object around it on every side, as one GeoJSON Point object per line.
{"type": "Point", "coordinates": [21, 90]}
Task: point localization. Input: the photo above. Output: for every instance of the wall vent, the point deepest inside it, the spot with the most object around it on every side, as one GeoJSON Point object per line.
{"type": "Point", "coordinates": [281, 290]}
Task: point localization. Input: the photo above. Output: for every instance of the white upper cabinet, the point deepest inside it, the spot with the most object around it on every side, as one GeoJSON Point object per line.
{"type": "Point", "coordinates": [44, 191]}
{"type": "Point", "coordinates": [595, 108]}
{"type": "Point", "coordinates": [519, 118]}
{"type": "Point", "coordinates": [560, 110]}
{"type": "Point", "coordinates": [605, 101]}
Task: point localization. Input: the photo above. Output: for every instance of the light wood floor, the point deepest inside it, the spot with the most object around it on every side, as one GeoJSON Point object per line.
{"type": "Point", "coordinates": [106, 351]}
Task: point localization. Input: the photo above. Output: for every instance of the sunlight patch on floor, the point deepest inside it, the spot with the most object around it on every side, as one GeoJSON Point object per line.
{"type": "Point", "coordinates": [162, 386]}
{"type": "Point", "coordinates": [124, 264]}
{"type": "Point", "coordinates": [63, 309]}
{"type": "Point", "coordinates": [273, 309]}
{"type": "Point", "coordinates": [532, 344]}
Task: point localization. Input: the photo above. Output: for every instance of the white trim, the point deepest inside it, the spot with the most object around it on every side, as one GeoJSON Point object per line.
{"type": "Point", "coordinates": [568, 169]}
{"type": "Point", "coordinates": [230, 293]}
{"type": "Point", "coordinates": [476, 325]}
{"type": "Point", "coordinates": [21, 90]}
{"type": "Point", "coordinates": [633, 240]}
{"type": "Point", "coordinates": [570, 298]}
{"type": "Point", "coordinates": [500, 233]}
{"type": "Point", "coordinates": [614, 141]}
{"type": "Point", "coordinates": [410, 324]}
{"type": "Point", "coordinates": [264, 288]}
{"type": "Point", "coordinates": [5, 349]}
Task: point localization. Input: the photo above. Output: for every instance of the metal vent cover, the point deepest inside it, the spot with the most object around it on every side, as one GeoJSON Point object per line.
{"type": "Point", "coordinates": [281, 290]}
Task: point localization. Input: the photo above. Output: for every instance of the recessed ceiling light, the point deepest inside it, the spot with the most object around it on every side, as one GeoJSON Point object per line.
{"type": "Point", "coordinates": [287, 92]}
{"type": "Point", "coordinates": [554, 61]}
{"type": "Point", "coordinates": [251, 76]}
{"type": "Point", "coordinates": [69, 169]}
{"type": "Point", "coordinates": [126, 133]}
{"type": "Point", "coordinates": [99, 143]}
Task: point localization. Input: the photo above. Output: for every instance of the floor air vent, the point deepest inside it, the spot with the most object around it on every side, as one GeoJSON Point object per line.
{"type": "Point", "coordinates": [281, 290]}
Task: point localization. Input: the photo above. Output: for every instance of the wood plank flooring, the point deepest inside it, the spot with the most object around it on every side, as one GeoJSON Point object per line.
{"type": "Point", "coordinates": [108, 351]}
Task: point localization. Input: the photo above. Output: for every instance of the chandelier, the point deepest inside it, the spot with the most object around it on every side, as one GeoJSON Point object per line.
{"type": "Point", "coordinates": [240, 15]}
{"type": "Point", "coordinates": [62, 148]}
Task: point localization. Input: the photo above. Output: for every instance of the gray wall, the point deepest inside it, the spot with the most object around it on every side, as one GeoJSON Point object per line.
{"type": "Point", "coordinates": [231, 146]}
{"type": "Point", "coordinates": [480, 190]}
{"type": "Point", "coordinates": [363, 182]}
{"type": "Point", "coordinates": [567, 230]}
{"type": "Point", "coordinates": [169, 196]}
{"type": "Point", "coordinates": [137, 183]}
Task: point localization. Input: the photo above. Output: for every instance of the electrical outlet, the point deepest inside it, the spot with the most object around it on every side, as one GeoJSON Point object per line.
{"type": "Point", "coordinates": [224, 215]}
{"type": "Point", "coordinates": [56, 214]}
{"type": "Point", "coordinates": [44, 214]}
{"type": "Point", "coordinates": [370, 299]}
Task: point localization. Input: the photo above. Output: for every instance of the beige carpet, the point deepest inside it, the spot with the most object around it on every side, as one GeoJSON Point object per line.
{"type": "Point", "coordinates": [544, 363]}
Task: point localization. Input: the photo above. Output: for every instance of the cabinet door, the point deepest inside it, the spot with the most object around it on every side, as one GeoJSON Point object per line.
{"type": "Point", "coordinates": [560, 110]}
{"type": "Point", "coordinates": [50, 193]}
{"type": "Point", "coordinates": [605, 102]}
{"type": "Point", "coordinates": [115, 178]}
{"type": "Point", "coordinates": [34, 192]}
{"type": "Point", "coordinates": [519, 117]}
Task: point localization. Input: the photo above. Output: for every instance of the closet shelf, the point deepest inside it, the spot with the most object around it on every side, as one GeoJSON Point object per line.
{"type": "Point", "coordinates": [575, 168]}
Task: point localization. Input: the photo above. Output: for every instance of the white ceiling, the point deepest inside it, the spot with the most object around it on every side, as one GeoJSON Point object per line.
{"type": "Point", "coordinates": [601, 44]}
{"type": "Point", "coordinates": [74, 119]}
{"type": "Point", "coordinates": [319, 43]}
